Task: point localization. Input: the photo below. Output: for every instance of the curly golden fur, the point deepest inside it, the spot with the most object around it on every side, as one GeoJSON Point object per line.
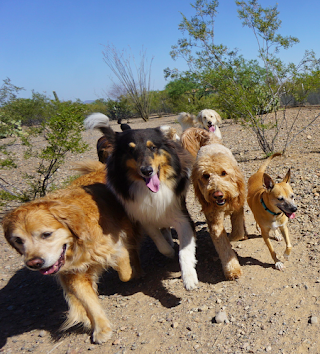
{"type": "Point", "coordinates": [193, 139]}
{"type": "Point", "coordinates": [220, 188]}
{"type": "Point", "coordinates": [76, 233]}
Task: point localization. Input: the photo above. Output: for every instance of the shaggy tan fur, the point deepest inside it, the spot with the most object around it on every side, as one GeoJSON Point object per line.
{"type": "Point", "coordinates": [76, 233]}
{"type": "Point", "coordinates": [220, 188]}
{"type": "Point", "coordinates": [193, 139]}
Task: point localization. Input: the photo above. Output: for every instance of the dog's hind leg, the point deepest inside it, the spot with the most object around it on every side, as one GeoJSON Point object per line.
{"type": "Point", "coordinates": [160, 241]}
{"type": "Point", "coordinates": [229, 260]}
{"type": "Point", "coordinates": [187, 252]}
{"type": "Point", "coordinates": [82, 287]}
{"type": "Point", "coordinates": [238, 227]}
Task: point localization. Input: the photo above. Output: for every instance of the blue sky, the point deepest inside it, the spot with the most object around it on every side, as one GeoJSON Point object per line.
{"type": "Point", "coordinates": [57, 45]}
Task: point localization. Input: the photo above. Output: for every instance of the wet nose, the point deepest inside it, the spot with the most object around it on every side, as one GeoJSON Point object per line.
{"type": "Point", "coordinates": [217, 194]}
{"type": "Point", "coordinates": [35, 263]}
{"type": "Point", "coordinates": [294, 208]}
{"type": "Point", "coordinates": [146, 170]}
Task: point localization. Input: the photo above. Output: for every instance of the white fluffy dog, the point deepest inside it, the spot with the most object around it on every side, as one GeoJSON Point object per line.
{"type": "Point", "coordinates": [207, 119]}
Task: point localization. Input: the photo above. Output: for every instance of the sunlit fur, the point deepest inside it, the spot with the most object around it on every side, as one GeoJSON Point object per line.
{"type": "Point", "coordinates": [193, 139]}
{"type": "Point", "coordinates": [206, 119]}
{"type": "Point", "coordinates": [89, 223]}
{"type": "Point", "coordinates": [220, 188]}
{"type": "Point", "coordinates": [142, 153]}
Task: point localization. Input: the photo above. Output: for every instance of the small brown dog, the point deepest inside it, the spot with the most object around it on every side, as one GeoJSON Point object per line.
{"type": "Point", "coordinates": [272, 204]}
{"type": "Point", "coordinates": [76, 233]}
{"type": "Point", "coordinates": [220, 188]}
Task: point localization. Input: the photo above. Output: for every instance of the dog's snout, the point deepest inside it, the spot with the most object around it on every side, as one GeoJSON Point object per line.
{"type": "Point", "coordinates": [293, 208]}
{"type": "Point", "coordinates": [209, 124]}
{"type": "Point", "coordinates": [146, 170]}
{"type": "Point", "coordinates": [217, 194]}
{"type": "Point", "coordinates": [35, 263]}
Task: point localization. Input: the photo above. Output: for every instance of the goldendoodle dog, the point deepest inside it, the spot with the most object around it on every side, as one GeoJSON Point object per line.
{"type": "Point", "coordinates": [220, 188]}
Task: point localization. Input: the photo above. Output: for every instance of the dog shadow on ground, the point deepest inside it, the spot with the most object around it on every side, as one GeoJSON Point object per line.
{"type": "Point", "coordinates": [32, 301]}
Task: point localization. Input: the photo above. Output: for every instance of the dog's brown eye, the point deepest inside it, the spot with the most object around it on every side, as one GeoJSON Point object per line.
{"type": "Point", "coordinates": [223, 173]}
{"type": "Point", "coordinates": [18, 241]}
{"type": "Point", "coordinates": [206, 176]}
{"type": "Point", "coordinates": [46, 234]}
{"type": "Point", "coordinates": [153, 148]}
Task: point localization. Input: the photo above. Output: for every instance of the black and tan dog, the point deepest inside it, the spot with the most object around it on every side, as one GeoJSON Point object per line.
{"type": "Point", "coordinates": [272, 204]}
{"type": "Point", "coordinates": [149, 173]}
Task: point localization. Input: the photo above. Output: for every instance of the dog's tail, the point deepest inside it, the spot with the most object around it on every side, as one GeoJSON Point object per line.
{"type": "Point", "coordinates": [193, 139]}
{"type": "Point", "coordinates": [97, 121]}
{"type": "Point", "coordinates": [90, 170]}
{"type": "Point", "coordinates": [267, 162]}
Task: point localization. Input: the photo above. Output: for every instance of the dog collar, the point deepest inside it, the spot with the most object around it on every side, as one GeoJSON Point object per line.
{"type": "Point", "coordinates": [266, 208]}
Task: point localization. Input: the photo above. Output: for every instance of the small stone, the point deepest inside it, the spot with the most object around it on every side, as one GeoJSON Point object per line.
{"type": "Point", "coordinates": [175, 325]}
{"type": "Point", "coordinates": [42, 333]}
{"type": "Point", "coordinates": [268, 348]}
{"type": "Point", "coordinates": [313, 320]}
{"type": "Point", "coordinates": [221, 317]}
{"type": "Point", "coordinates": [116, 342]}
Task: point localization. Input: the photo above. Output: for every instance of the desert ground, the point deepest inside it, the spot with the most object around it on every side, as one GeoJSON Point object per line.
{"type": "Point", "coordinates": [266, 310]}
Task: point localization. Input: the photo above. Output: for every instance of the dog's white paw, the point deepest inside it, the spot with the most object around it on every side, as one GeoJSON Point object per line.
{"type": "Point", "coordinates": [279, 265]}
{"type": "Point", "coordinates": [190, 280]}
{"type": "Point", "coordinates": [286, 256]}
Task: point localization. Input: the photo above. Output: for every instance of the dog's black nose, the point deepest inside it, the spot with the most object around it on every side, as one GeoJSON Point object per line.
{"type": "Point", "coordinates": [35, 263]}
{"type": "Point", "coordinates": [293, 208]}
{"type": "Point", "coordinates": [209, 124]}
{"type": "Point", "coordinates": [146, 170]}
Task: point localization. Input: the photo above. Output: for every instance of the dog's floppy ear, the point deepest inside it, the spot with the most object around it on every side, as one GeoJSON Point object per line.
{"type": "Point", "coordinates": [72, 217]}
{"type": "Point", "coordinates": [268, 182]}
{"type": "Point", "coordinates": [7, 224]}
{"type": "Point", "coordinates": [287, 176]}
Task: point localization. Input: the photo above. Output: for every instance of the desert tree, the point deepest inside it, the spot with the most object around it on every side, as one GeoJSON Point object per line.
{"type": "Point", "coordinates": [249, 90]}
{"type": "Point", "coordinates": [135, 78]}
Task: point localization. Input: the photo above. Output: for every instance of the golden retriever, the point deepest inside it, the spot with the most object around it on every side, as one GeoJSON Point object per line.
{"type": "Point", "coordinates": [76, 233]}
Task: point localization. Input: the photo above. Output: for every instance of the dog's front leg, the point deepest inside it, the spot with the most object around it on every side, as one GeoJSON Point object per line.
{"type": "Point", "coordinates": [238, 226]}
{"type": "Point", "coordinates": [285, 233]}
{"type": "Point", "coordinates": [265, 234]}
{"type": "Point", "coordinates": [229, 260]}
{"type": "Point", "coordinates": [187, 252]}
{"type": "Point", "coordinates": [81, 286]}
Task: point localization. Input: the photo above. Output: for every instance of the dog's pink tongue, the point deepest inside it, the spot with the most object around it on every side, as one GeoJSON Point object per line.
{"type": "Point", "coordinates": [153, 183]}
{"type": "Point", "coordinates": [292, 216]}
{"type": "Point", "coordinates": [212, 128]}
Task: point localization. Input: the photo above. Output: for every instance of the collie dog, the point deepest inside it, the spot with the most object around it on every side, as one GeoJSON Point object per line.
{"type": "Point", "coordinates": [77, 233]}
{"type": "Point", "coordinates": [149, 174]}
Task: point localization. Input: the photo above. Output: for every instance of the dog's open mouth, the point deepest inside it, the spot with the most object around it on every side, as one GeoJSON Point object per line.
{"type": "Point", "coordinates": [55, 267]}
{"type": "Point", "coordinates": [212, 128]}
{"type": "Point", "coordinates": [153, 183]}
{"type": "Point", "coordinates": [291, 215]}
{"type": "Point", "coordinates": [221, 202]}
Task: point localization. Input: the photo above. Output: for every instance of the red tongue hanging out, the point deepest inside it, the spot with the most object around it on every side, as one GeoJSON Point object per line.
{"type": "Point", "coordinates": [212, 128]}
{"type": "Point", "coordinates": [153, 183]}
